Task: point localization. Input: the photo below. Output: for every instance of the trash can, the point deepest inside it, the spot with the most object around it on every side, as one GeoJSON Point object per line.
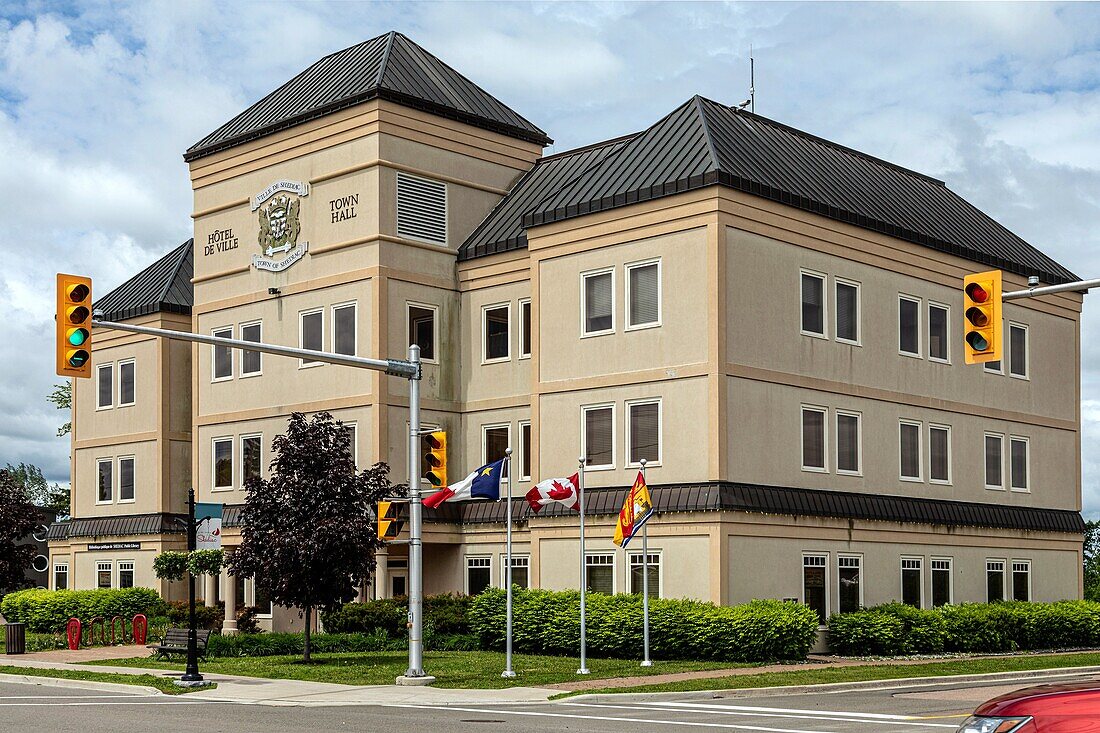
{"type": "Point", "coordinates": [15, 638]}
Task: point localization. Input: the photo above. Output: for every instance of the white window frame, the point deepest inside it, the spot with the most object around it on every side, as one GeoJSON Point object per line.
{"type": "Point", "coordinates": [100, 566]}
{"type": "Point", "coordinates": [919, 354]}
{"type": "Point", "coordinates": [824, 304]}
{"type": "Point", "coordinates": [518, 560]}
{"type": "Point", "coordinates": [118, 369]}
{"type": "Point", "coordinates": [1026, 376]}
{"type": "Point", "coordinates": [409, 305]}
{"type": "Point", "coordinates": [919, 560]}
{"type": "Point", "coordinates": [802, 582]}
{"type": "Point", "coordinates": [242, 372]}
{"type": "Point", "coordinates": [1011, 580]}
{"type": "Point", "coordinates": [614, 567]}
{"type": "Point", "coordinates": [1027, 463]}
{"type": "Point", "coordinates": [1004, 576]}
{"type": "Point", "coordinates": [219, 332]}
{"type": "Point", "coordinates": [837, 281]}
{"type": "Point", "coordinates": [985, 460]}
{"type": "Point", "coordinates": [353, 426]}
{"type": "Point", "coordinates": [485, 438]}
{"type": "Point", "coordinates": [660, 431]}
{"type": "Point", "coordinates": [947, 339]}
{"type": "Point", "coordinates": [919, 478]}
{"type": "Point", "coordinates": [824, 437]}
{"type": "Point", "coordinates": [522, 330]}
{"type": "Point", "coordinates": [99, 379]}
{"type": "Point", "coordinates": [214, 462]}
{"type": "Point", "coordinates": [637, 555]}
{"type": "Point", "coordinates": [250, 599]}
{"type": "Point", "coordinates": [950, 579]}
{"type": "Point", "coordinates": [241, 439]}
{"type": "Point", "coordinates": [57, 566]}
{"type": "Point", "coordinates": [354, 305]}
{"type": "Point", "coordinates": [584, 301]}
{"type": "Point", "coordinates": [859, 441]}
{"type": "Point", "coordinates": [660, 295]}
{"type": "Point", "coordinates": [950, 468]}
{"type": "Point", "coordinates": [485, 333]}
{"type": "Point", "coordinates": [119, 569]}
{"type": "Point", "coordinates": [466, 570]}
{"type": "Point", "coordinates": [614, 430]}
{"type": "Point", "coordinates": [302, 364]}
{"type": "Point", "coordinates": [859, 564]}
{"type": "Point", "coordinates": [114, 494]}
{"type": "Point", "coordinates": [118, 468]}
{"type": "Point", "coordinates": [523, 457]}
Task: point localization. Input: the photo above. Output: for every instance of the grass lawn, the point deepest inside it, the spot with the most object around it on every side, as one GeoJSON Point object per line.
{"type": "Point", "coordinates": [480, 670]}
{"type": "Point", "coordinates": [144, 680]}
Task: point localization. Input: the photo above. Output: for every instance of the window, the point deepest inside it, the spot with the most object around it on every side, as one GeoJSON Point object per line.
{"type": "Point", "coordinates": [524, 329]}
{"type": "Point", "coordinates": [644, 436]}
{"type": "Point", "coordinates": [910, 450]}
{"type": "Point", "coordinates": [61, 576]}
{"type": "Point", "coordinates": [495, 440]}
{"type": "Point", "coordinates": [520, 570]}
{"type": "Point", "coordinates": [813, 438]}
{"type": "Point", "coordinates": [478, 574]}
{"type": "Point", "coordinates": [251, 363]}
{"type": "Point", "coordinates": [598, 293]}
{"type": "Point", "coordinates": [103, 574]}
{"type": "Point", "coordinates": [1021, 580]}
{"type": "Point", "coordinates": [251, 457]}
{"type": "Point", "coordinates": [941, 582]}
{"type": "Point", "coordinates": [994, 450]}
{"type": "Point", "coordinates": [813, 304]}
{"type": "Point", "coordinates": [939, 330]}
{"type": "Point", "coordinates": [126, 479]}
{"type": "Point", "coordinates": [994, 581]}
{"type": "Point", "coordinates": [1017, 350]}
{"type": "Point", "coordinates": [422, 329]}
{"type": "Point", "coordinates": [814, 592]}
{"type": "Point", "coordinates": [105, 395]}
{"type": "Point", "coordinates": [1019, 464]}
{"type": "Point", "coordinates": [993, 367]}
{"type": "Point", "coordinates": [525, 451]}
{"type": "Point", "coordinates": [126, 574]}
{"type": "Point", "coordinates": [847, 312]}
{"type": "Point", "coordinates": [638, 569]}
{"type": "Point", "coordinates": [106, 484]}
{"type": "Point", "coordinates": [353, 443]}
{"type": "Point", "coordinates": [848, 442]}
{"type": "Point", "coordinates": [343, 329]}
{"type": "Point", "coordinates": [599, 443]}
{"type": "Point", "coordinates": [599, 573]}
{"type": "Point", "coordinates": [939, 454]}
{"type": "Point", "coordinates": [311, 334]}
{"type": "Point", "coordinates": [261, 598]}
{"type": "Point", "coordinates": [126, 383]}
{"type": "Point", "coordinates": [495, 330]}
{"type": "Point", "coordinates": [643, 295]}
{"type": "Point", "coordinates": [223, 463]}
{"type": "Point", "coordinates": [851, 589]}
{"type": "Point", "coordinates": [421, 208]}
{"type": "Point", "coordinates": [909, 326]}
{"type": "Point", "coordinates": [222, 356]}
{"type": "Point", "coordinates": [912, 578]}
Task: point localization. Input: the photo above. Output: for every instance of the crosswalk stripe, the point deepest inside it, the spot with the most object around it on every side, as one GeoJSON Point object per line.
{"type": "Point", "coordinates": [776, 713]}
{"type": "Point", "coordinates": [750, 708]}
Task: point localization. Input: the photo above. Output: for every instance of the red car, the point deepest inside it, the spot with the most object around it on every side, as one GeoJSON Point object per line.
{"type": "Point", "coordinates": [1068, 708]}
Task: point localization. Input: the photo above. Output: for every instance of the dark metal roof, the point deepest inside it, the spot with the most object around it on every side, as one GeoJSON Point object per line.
{"type": "Point", "coordinates": [123, 526]}
{"type": "Point", "coordinates": [164, 286]}
{"type": "Point", "coordinates": [726, 496]}
{"type": "Point", "coordinates": [388, 67]}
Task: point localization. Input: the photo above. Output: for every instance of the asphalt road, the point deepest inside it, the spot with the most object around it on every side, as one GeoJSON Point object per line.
{"type": "Point", "coordinates": [902, 709]}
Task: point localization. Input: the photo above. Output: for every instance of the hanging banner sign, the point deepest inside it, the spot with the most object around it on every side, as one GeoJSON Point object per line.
{"type": "Point", "coordinates": [208, 535]}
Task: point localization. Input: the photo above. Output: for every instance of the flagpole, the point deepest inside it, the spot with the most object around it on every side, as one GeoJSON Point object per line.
{"type": "Point", "coordinates": [508, 671]}
{"type": "Point", "coordinates": [646, 661]}
{"type": "Point", "coordinates": [580, 505]}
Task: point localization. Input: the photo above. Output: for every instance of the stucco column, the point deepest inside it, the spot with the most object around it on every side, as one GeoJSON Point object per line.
{"type": "Point", "coordinates": [211, 592]}
{"type": "Point", "coordinates": [229, 593]}
{"type": "Point", "coordinates": [381, 572]}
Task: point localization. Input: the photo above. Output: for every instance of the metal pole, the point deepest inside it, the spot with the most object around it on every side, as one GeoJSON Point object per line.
{"type": "Point", "coordinates": [580, 505]}
{"type": "Point", "coordinates": [508, 671]}
{"type": "Point", "coordinates": [191, 674]}
{"type": "Point", "coordinates": [646, 661]}
{"type": "Point", "coordinates": [1047, 290]}
{"type": "Point", "coordinates": [416, 556]}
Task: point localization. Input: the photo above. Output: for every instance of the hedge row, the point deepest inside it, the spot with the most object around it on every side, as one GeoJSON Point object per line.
{"type": "Point", "coordinates": [895, 628]}
{"type": "Point", "coordinates": [48, 611]}
{"type": "Point", "coordinates": [548, 622]}
{"type": "Point", "coordinates": [445, 614]}
{"type": "Point", "coordinates": [267, 645]}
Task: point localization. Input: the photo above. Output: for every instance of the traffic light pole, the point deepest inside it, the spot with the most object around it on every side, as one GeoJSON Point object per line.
{"type": "Point", "coordinates": [1049, 289]}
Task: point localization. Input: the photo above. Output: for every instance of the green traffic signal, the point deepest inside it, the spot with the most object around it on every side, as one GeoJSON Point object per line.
{"type": "Point", "coordinates": [78, 336]}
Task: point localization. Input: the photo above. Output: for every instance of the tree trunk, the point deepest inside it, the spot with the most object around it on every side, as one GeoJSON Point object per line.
{"type": "Point", "coordinates": [309, 613]}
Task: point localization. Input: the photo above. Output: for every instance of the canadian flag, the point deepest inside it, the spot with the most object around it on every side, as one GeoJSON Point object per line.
{"type": "Point", "coordinates": [555, 491]}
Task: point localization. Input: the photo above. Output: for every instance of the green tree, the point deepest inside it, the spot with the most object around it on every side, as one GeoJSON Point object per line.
{"type": "Point", "coordinates": [38, 491]}
{"type": "Point", "coordinates": [307, 533]}
{"type": "Point", "coordinates": [18, 518]}
{"type": "Point", "coordinates": [62, 397]}
{"type": "Point", "coordinates": [1092, 560]}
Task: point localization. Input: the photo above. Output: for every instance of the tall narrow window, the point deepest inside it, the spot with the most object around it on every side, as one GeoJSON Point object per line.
{"type": "Point", "coordinates": [126, 479]}
{"type": "Point", "coordinates": [598, 295]}
{"type": "Point", "coordinates": [343, 329]}
{"type": "Point", "coordinates": [103, 574]}
{"type": "Point", "coordinates": [61, 576]}
{"type": "Point", "coordinates": [599, 573]}
{"type": "Point", "coordinates": [223, 463]}
{"type": "Point", "coordinates": [994, 452]}
{"type": "Point", "coordinates": [1017, 350]}
{"type": "Point", "coordinates": [524, 329]}
{"type": "Point", "coordinates": [599, 423]}
{"type": "Point", "coordinates": [105, 483]}
{"type": "Point", "coordinates": [813, 304]}
{"type": "Point", "coordinates": [495, 442]}
{"type": "Point", "coordinates": [848, 576]}
{"type": "Point", "coordinates": [1021, 580]}
{"type": "Point", "coordinates": [938, 332]}
{"type": "Point", "coordinates": [847, 311]}
{"type": "Point", "coordinates": [1019, 479]}
{"type": "Point", "coordinates": [478, 574]}
{"type": "Point", "coordinates": [251, 459]}
{"type": "Point", "coordinates": [814, 585]}
{"type": "Point", "coordinates": [126, 574]}
{"type": "Point", "coordinates": [421, 208]}
{"type": "Point", "coordinates": [813, 438]}
{"type": "Point", "coordinates": [909, 433]}
{"type": "Point", "coordinates": [353, 443]}
{"type": "Point", "coordinates": [941, 582]}
{"type": "Point", "coordinates": [939, 454]}
{"type": "Point", "coordinates": [908, 326]}
{"type": "Point", "coordinates": [422, 329]}
{"type": "Point", "coordinates": [311, 334]}
{"type": "Point", "coordinates": [847, 442]}
{"type": "Point", "coordinates": [521, 565]}
{"type": "Point", "coordinates": [525, 451]}
{"type": "Point", "coordinates": [126, 383]}
{"type": "Point", "coordinates": [994, 581]}
{"type": "Point", "coordinates": [643, 294]}
{"type": "Point", "coordinates": [496, 331]}
{"type": "Point", "coordinates": [222, 356]}
{"type": "Point", "coordinates": [911, 581]}
{"type": "Point", "coordinates": [645, 431]}
{"type": "Point", "coordinates": [105, 387]}
{"type": "Point", "coordinates": [638, 569]}
{"type": "Point", "coordinates": [251, 362]}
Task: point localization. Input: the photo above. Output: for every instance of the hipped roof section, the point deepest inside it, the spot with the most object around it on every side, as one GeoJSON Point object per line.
{"type": "Point", "coordinates": [164, 286]}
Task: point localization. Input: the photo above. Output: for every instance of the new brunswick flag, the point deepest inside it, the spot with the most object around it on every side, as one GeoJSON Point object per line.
{"type": "Point", "coordinates": [637, 508]}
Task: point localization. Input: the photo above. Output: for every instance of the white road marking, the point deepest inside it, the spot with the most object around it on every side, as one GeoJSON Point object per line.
{"type": "Point", "coordinates": [168, 701]}
{"type": "Point", "coordinates": [73, 697]}
{"type": "Point", "coordinates": [717, 706]}
{"type": "Point", "coordinates": [776, 713]}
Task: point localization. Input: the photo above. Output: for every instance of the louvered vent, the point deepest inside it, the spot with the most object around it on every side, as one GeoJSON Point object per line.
{"type": "Point", "coordinates": [421, 208]}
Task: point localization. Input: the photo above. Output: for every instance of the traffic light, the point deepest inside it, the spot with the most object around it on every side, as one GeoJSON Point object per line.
{"type": "Point", "coordinates": [74, 326]}
{"type": "Point", "coordinates": [435, 458]}
{"type": "Point", "coordinates": [982, 324]}
{"type": "Point", "coordinates": [390, 520]}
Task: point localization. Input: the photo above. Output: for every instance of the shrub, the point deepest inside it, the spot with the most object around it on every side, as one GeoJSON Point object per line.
{"type": "Point", "coordinates": [445, 614]}
{"type": "Point", "coordinates": [864, 633]}
{"type": "Point", "coordinates": [246, 620]}
{"type": "Point", "coordinates": [206, 617]}
{"type": "Point", "coordinates": [548, 622]}
{"type": "Point", "coordinates": [48, 611]}
{"type": "Point", "coordinates": [266, 645]}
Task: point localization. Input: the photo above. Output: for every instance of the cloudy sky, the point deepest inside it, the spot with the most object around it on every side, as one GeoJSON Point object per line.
{"type": "Point", "coordinates": [98, 102]}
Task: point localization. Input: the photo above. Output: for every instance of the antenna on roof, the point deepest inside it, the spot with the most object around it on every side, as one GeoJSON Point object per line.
{"type": "Point", "coordinates": [751, 101]}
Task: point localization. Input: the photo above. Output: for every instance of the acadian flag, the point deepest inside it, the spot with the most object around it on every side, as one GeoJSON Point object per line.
{"type": "Point", "coordinates": [555, 491]}
{"type": "Point", "coordinates": [637, 508]}
{"type": "Point", "coordinates": [484, 483]}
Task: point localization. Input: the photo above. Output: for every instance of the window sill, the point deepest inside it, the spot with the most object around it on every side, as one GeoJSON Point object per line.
{"type": "Point", "coordinates": [310, 365]}
{"type": "Point", "coordinates": [813, 335]}
{"type": "Point", "coordinates": [911, 479]}
{"type": "Point", "coordinates": [858, 474]}
{"type": "Point", "coordinates": [109, 502]}
{"type": "Point", "coordinates": [596, 334]}
{"type": "Point", "coordinates": [103, 409]}
{"type": "Point", "coordinates": [127, 501]}
{"type": "Point", "coordinates": [643, 326]}
{"type": "Point", "coordinates": [593, 469]}
{"type": "Point", "coordinates": [221, 489]}
{"type": "Point", "coordinates": [910, 355]}
{"type": "Point", "coordinates": [936, 482]}
{"type": "Point", "coordinates": [648, 464]}
{"type": "Point", "coordinates": [814, 469]}
{"type": "Point", "coordinates": [250, 375]}
{"type": "Point", "coordinates": [994, 488]}
{"type": "Point", "coordinates": [846, 342]}
{"type": "Point", "coordinates": [1021, 377]}
{"type": "Point", "coordinates": [524, 356]}
{"type": "Point", "coordinates": [937, 360]}
{"type": "Point", "coordinates": [496, 360]}
{"type": "Point", "coordinates": [125, 404]}
{"type": "Point", "coordinates": [1015, 490]}
{"type": "Point", "coordinates": [215, 380]}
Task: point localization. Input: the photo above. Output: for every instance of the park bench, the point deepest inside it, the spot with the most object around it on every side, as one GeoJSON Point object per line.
{"type": "Point", "coordinates": [175, 642]}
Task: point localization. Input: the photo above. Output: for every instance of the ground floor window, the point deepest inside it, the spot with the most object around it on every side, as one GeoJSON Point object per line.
{"type": "Point", "coordinates": [399, 577]}
{"type": "Point", "coordinates": [637, 568]}
{"type": "Point", "coordinates": [911, 581]}
{"type": "Point", "coordinates": [599, 573]}
{"type": "Point", "coordinates": [103, 574]}
{"type": "Point", "coordinates": [850, 593]}
{"type": "Point", "coordinates": [813, 585]}
{"type": "Point", "coordinates": [261, 599]}
{"type": "Point", "coordinates": [941, 582]}
{"type": "Point", "coordinates": [521, 565]}
{"type": "Point", "coordinates": [1021, 580]}
{"type": "Point", "coordinates": [60, 576]}
{"type": "Point", "coordinates": [478, 574]}
{"type": "Point", "coordinates": [126, 574]}
{"type": "Point", "coordinates": [994, 580]}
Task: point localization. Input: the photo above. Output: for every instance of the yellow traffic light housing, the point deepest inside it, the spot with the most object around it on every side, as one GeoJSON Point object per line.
{"type": "Point", "coordinates": [74, 326]}
{"type": "Point", "coordinates": [982, 323]}
{"type": "Point", "coordinates": [389, 520]}
{"type": "Point", "coordinates": [435, 458]}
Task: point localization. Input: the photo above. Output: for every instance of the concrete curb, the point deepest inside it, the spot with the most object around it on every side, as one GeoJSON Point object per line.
{"type": "Point", "coordinates": [835, 687]}
{"type": "Point", "coordinates": [86, 684]}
